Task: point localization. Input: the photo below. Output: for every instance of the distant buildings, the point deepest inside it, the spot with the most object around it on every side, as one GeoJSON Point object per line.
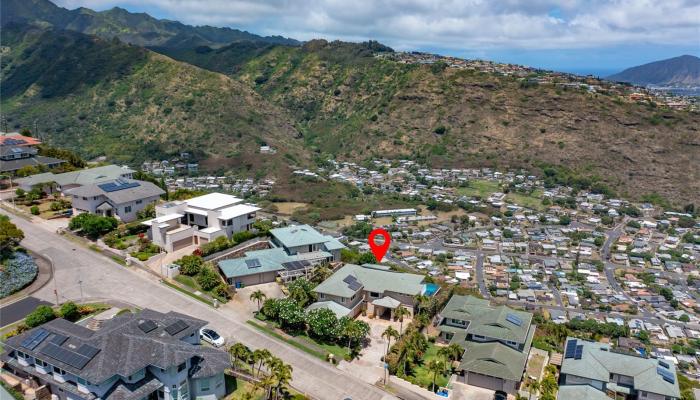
{"type": "Point", "coordinates": [199, 220]}
{"type": "Point", "coordinates": [592, 370]}
{"type": "Point", "coordinates": [18, 151]}
{"type": "Point", "coordinates": [496, 341]}
{"type": "Point", "coordinates": [119, 198]}
{"type": "Point", "coordinates": [148, 355]}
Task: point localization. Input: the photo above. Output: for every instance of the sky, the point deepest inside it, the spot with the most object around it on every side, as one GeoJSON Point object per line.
{"type": "Point", "coordinates": [580, 36]}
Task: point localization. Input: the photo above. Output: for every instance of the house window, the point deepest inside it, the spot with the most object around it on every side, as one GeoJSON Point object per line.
{"type": "Point", "coordinates": [321, 296]}
{"type": "Point", "coordinates": [343, 299]}
{"type": "Point", "coordinates": [204, 384]}
{"type": "Point", "coordinates": [58, 371]}
{"type": "Point", "coordinates": [139, 201]}
{"type": "Point", "coordinates": [374, 295]}
{"type": "Point", "coordinates": [181, 367]}
{"type": "Point", "coordinates": [84, 198]}
{"type": "Point", "coordinates": [353, 297]}
{"type": "Point", "coordinates": [191, 217]}
{"type": "Point", "coordinates": [127, 209]}
{"type": "Point", "coordinates": [81, 381]}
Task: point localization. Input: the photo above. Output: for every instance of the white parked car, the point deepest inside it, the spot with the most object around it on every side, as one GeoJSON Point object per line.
{"type": "Point", "coordinates": [210, 336]}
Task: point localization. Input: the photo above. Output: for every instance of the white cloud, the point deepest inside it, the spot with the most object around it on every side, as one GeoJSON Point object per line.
{"type": "Point", "coordinates": [449, 24]}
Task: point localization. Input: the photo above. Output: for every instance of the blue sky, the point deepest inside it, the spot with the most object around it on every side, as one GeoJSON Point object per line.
{"type": "Point", "coordinates": [582, 36]}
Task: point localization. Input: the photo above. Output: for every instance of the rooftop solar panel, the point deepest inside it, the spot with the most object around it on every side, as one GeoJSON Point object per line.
{"type": "Point", "coordinates": [514, 319]}
{"type": "Point", "coordinates": [295, 265]}
{"type": "Point", "coordinates": [35, 339]}
{"type": "Point", "coordinates": [58, 339]}
{"type": "Point", "coordinates": [117, 185]}
{"type": "Point", "coordinates": [667, 375]}
{"type": "Point", "coordinates": [579, 352]}
{"type": "Point", "coordinates": [253, 263]}
{"type": "Point", "coordinates": [65, 356]}
{"type": "Point", "coordinates": [663, 364]}
{"type": "Point", "coordinates": [176, 327]}
{"type": "Point", "coordinates": [570, 349]}
{"type": "Point", "coordinates": [147, 326]}
{"type": "Point", "coordinates": [88, 351]}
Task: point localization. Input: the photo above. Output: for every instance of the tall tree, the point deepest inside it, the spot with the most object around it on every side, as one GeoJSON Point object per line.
{"type": "Point", "coordinates": [400, 313]}
{"type": "Point", "coordinates": [258, 296]}
{"type": "Point", "coordinates": [435, 366]}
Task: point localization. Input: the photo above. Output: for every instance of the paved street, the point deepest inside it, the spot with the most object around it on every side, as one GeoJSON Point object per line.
{"type": "Point", "coordinates": [19, 309]}
{"type": "Point", "coordinates": [83, 274]}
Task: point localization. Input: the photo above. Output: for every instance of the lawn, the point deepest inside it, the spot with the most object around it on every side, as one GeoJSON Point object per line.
{"type": "Point", "coordinates": [191, 282]}
{"type": "Point", "coordinates": [339, 352]}
{"type": "Point", "coordinates": [423, 377]}
{"type": "Point", "coordinates": [236, 389]}
{"type": "Point", "coordinates": [532, 200]}
{"type": "Point", "coordinates": [480, 188]}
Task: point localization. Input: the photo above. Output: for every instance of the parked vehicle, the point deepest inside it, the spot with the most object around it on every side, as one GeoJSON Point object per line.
{"type": "Point", "coordinates": [499, 395]}
{"type": "Point", "coordinates": [210, 336]}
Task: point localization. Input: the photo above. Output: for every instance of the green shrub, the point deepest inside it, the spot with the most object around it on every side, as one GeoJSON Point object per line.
{"type": "Point", "coordinates": [208, 279]}
{"type": "Point", "coordinates": [34, 210]}
{"type": "Point", "coordinates": [92, 225]}
{"type": "Point", "coordinates": [69, 311]}
{"type": "Point", "coordinates": [190, 265]}
{"type": "Point", "coordinates": [39, 316]}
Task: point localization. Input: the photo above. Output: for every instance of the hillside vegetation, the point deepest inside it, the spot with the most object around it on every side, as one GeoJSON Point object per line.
{"type": "Point", "coordinates": [350, 104]}
{"type": "Point", "coordinates": [102, 97]}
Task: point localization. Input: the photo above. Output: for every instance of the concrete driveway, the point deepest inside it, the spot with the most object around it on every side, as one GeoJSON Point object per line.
{"type": "Point", "coordinates": [242, 302]}
{"type": "Point", "coordinates": [461, 391]}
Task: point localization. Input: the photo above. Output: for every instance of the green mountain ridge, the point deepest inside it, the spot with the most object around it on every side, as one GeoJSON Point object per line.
{"type": "Point", "coordinates": [103, 97]}
{"type": "Point", "coordinates": [334, 99]}
{"type": "Point", "coordinates": [136, 28]}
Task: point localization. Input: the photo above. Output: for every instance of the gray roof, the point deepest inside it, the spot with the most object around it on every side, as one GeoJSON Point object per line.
{"type": "Point", "coordinates": [124, 348]}
{"type": "Point", "coordinates": [304, 235]}
{"type": "Point", "coordinates": [269, 260]}
{"type": "Point", "coordinates": [341, 283]}
{"type": "Point", "coordinates": [338, 309]}
{"type": "Point", "coordinates": [597, 362]}
{"type": "Point", "coordinates": [580, 392]}
{"type": "Point", "coordinates": [498, 322]}
{"type": "Point", "coordinates": [130, 193]}
{"type": "Point", "coordinates": [80, 177]}
{"type": "Point", "coordinates": [14, 165]}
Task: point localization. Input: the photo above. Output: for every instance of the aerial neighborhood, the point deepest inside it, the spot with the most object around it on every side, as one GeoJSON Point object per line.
{"type": "Point", "coordinates": [494, 282]}
{"type": "Point", "coordinates": [199, 212]}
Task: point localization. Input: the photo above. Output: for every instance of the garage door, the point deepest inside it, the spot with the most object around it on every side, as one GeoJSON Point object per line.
{"type": "Point", "coordinates": [182, 243]}
{"type": "Point", "coordinates": [488, 382]}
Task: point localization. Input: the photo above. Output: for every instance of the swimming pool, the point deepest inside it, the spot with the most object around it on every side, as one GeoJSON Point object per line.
{"type": "Point", "coordinates": [431, 289]}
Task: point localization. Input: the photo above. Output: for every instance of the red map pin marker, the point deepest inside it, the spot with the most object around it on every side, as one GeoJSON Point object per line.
{"type": "Point", "coordinates": [379, 250]}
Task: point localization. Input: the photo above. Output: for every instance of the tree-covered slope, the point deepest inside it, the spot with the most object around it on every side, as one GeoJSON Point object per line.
{"type": "Point", "coordinates": [102, 97]}
{"type": "Point", "coordinates": [356, 106]}
{"type": "Point", "coordinates": [137, 28]}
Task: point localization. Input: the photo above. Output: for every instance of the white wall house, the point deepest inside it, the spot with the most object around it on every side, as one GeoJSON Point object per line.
{"type": "Point", "coordinates": [199, 220]}
{"type": "Point", "coordinates": [120, 198]}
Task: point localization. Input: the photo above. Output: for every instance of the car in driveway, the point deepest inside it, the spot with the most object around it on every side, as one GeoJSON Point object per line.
{"type": "Point", "coordinates": [500, 395]}
{"type": "Point", "coordinates": [210, 336]}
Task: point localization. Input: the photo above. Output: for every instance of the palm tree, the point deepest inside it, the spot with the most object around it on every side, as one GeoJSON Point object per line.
{"type": "Point", "coordinates": [266, 382]}
{"type": "Point", "coordinates": [389, 332]}
{"type": "Point", "coordinates": [259, 296]}
{"type": "Point", "coordinates": [451, 353]}
{"type": "Point", "coordinates": [283, 373]}
{"type": "Point", "coordinates": [435, 366]}
{"type": "Point", "coordinates": [533, 387]}
{"type": "Point", "coordinates": [238, 351]}
{"type": "Point", "coordinates": [409, 350]}
{"type": "Point", "coordinates": [400, 313]}
{"type": "Point", "coordinates": [260, 356]}
{"type": "Point", "coordinates": [420, 300]}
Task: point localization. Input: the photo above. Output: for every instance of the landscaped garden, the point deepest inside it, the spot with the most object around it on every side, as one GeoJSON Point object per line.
{"type": "Point", "coordinates": [17, 268]}
{"type": "Point", "coordinates": [201, 276]}
{"type": "Point", "coordinates": [319, 330]}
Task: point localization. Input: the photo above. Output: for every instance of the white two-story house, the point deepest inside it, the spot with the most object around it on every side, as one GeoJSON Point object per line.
{"type": "Point", "coordinates": [149, 355]}
{"type": "Point", "coordinates": [199, 220]}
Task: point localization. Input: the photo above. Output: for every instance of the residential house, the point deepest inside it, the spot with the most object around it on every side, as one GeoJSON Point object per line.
{"type": "Point", "coordinates": [147, 355]}
{"type": "Point", "coordinates": [295, 239]}
{"type": "Point", "coordinates": [120, 198]}
{"type": "Point", "coordinates": [374, 288]}
{"type": "Point", "coordinates": [496, 340]}
{"type": "Point", "coordinates": [51, 182]}
{"type": "Point", "coordinates": [618, 375]}
{"type": "Point", "coordinates": [199, 220]}
{"type": "Point", "coordinates": [19, 151]}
